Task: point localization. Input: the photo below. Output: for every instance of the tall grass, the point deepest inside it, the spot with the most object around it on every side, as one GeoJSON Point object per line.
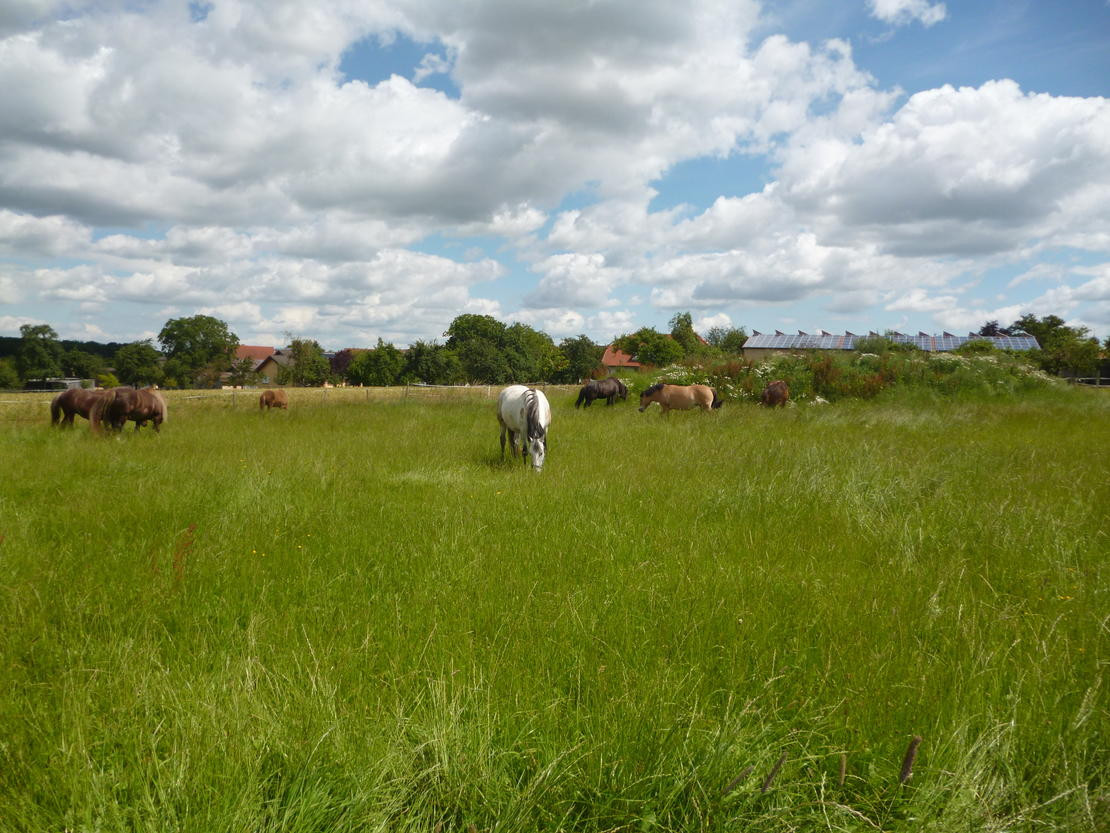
{"type": "Point", "coordinates": [354, 616]}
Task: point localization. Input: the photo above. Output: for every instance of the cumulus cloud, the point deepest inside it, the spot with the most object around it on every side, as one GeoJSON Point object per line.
{"type": "Point", "coordinates": [216, 158]}
{"type": "Point", "coordinates": [899, 12]}
{"type": "Point", "coordinates": [948, 175]}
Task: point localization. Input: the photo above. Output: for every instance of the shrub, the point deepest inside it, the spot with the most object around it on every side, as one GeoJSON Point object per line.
{"type": "Point", "coordinates": [836, 376]}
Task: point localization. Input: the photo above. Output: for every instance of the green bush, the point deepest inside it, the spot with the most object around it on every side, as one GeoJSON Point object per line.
{"type": "Point", "coordinates": [835, 376]}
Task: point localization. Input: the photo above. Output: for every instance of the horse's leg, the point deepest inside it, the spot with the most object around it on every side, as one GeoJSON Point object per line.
{"type": "Point", "coordinates": [503, 441]}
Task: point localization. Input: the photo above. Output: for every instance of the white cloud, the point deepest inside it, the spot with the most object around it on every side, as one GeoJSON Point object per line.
{"type": "Point", "coordinates": [236, 169]}
{"type": "Point", "coordinates": [899, 12]}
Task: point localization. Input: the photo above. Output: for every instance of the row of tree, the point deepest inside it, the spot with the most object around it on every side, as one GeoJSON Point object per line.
{"type": "Point", "coordinates": [199, 351]}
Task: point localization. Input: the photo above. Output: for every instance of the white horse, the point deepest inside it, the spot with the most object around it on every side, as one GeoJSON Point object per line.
{"type": "Point", "coordinates": [525, 413]}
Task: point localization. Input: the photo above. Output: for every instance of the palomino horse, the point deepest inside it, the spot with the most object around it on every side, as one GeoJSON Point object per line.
{"type": "Point", "coordinates": [776, 393]}
{"type": "Point", "coordinates": [118, 405]}
{"type": "Point", "coordinates": [70, 402]}
{"type": "Point", "coordinates": [680, 397]}
{"type": "Point", "coordinates": [273, 399]}
{"type": "Point", "coordinates": [607, 389]}
{"type": "Point", "coordinates": [524, 412]}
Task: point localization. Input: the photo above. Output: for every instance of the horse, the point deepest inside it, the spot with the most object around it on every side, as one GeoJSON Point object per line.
{"type": "Point", "coordinates": [776, 393]}
{"type": "Point", "coordinates": [70, 402]}
{"type": "Point", "coordinates": [607, 389]}
{"type": "Point", "coordinates": [525, 413]}
{"type": "Point", "coordinates": [118, 405]}
{"type": "Point", "coordinates": [273, 399]}
{"type": "Point", "coordinates": [680, 397]}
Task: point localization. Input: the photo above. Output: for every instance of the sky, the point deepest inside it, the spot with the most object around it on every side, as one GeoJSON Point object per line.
{"type": "Point", "coordinates": [367, 169]}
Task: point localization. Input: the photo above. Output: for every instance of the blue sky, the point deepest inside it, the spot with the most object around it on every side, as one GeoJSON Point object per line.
{"type": "Point", "coordinates": [354, 172]}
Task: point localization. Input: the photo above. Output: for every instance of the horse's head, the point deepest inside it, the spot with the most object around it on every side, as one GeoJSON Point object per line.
{"type": "Point", "coordinates": [537, 449]}
{"type": "Point", "coordinates": [650, 395]}
{"type": "Point", "coordinates": [622, 390]}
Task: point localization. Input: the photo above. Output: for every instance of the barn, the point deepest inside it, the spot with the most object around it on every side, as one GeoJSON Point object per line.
{"type": "Point", "coordinates": [761, 345]}
{"type": "Point", "coordinates": [614, 360]}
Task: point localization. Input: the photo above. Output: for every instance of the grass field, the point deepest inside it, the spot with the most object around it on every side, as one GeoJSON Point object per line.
{"type": "Point", "coordinates": [353, 616]}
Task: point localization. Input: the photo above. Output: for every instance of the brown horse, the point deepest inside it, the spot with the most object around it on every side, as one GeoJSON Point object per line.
{"type": "Point", "coordinates": [70, 402]}
{"type": "Point", "coordinates": [273, 399]}
{"type": "Point", "coordinates": [776, 393]}
{"type": "Point", "coordinates": [680, 397]}
{"type": "Point", "coordinates": [118, 405]}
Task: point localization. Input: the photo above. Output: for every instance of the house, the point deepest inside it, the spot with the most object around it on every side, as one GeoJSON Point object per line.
{"type": "Point", "coordinates": [614, 359]}
{"type": "Point", "coordinates": [267, 369]}
{"type": "Point", "coordinates": [252, 352]}
{"type": "Point", "coordinates": [761, 345]}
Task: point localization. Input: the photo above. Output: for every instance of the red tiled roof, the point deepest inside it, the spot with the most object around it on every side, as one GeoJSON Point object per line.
{"type": "Point", "coordinates": [617, 358]}
{"type": "Point", "coordinates": [247, 351]}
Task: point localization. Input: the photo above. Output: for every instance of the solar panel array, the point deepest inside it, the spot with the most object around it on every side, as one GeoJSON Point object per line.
{"type": "Point", "coordinates": [934, 343]}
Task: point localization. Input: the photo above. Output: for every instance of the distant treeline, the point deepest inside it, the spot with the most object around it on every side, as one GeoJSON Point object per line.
{"type": "Point", "coordinates": [9, 347]}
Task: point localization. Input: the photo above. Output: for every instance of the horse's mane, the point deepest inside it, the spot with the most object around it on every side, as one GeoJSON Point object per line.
{"type": "Point", "coordinates": [532, 415]}
{"type": "Point", "coordinates": [658, 386]}
{"type": "Point", "coordinates": [161, 400]}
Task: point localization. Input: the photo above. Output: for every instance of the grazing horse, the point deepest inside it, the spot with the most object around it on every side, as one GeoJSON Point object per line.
{"type": "Point", "coordinates": [273, 399]}
{"type": "Point", "coordinates": [607, 389]}
{"type": "Point", "coordinates": [525, 413]}
{"type": "Point", "coordinates": [776, 393]}
{"type": "Point", "coordinates": [70, 402]}
{"type": "Point", "coordinates": [118, 405]}
{"type": "Point", "coordinates": [680, 397]}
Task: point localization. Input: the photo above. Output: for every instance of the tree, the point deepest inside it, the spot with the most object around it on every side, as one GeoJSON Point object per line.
{"type": "Point", "coordinates": [9, 376]}
{"type": "Point", "coordinates": [81, 365]}
{"type": "Point", "coordinates": [309, 366]}
{"type": "Point", "coordinates": [138, 363]}
{"type": "Point", "coordinates": [242, 372]}
{"type": "Point", "coordinates": [482, 361]}
{"type": "Point", "coordinates": [197, 348]}
{"type": "Point", "coordinates": [650, 347]}
{"type": "Point", "coordinates": [1043, 329]}
{"type": "Point", "coordinates": [682, 331]}
{"type": "Point", "coordinates": [581, 357]}
{"type": "Point", "coordinates": [727, 339]}
{"type": "Point", "coordinates": [381, 366]}
{"type": "Point", "coordinates": [341, 361]}
{"type": "Point", "coordinates": [991, 329]}
{"type": "Point", "coordinates": [469, 327]}
{"type": "Point", "coordinates": [432, 364]}
{"type": "Point", "coordinates": [1064, 349]}
{"type": "Point", "coordinates": [40, 352]}
{"type": "Point", "coordinates": [531, 354]}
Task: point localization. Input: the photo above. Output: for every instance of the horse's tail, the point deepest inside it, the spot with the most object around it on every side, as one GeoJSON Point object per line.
{"type": "Point", "coordinates": [100, 408]}
{"type": "Point", "coordinates": [716, 399]}
{"type": "Point", "coordinates": [55, 409]}
{"type": "Point", "coordinates": [581, 396]}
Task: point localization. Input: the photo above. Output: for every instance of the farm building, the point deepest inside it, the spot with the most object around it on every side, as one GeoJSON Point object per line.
{"type": "Point", "coordinates": [255, 353]}
{"type": "Point", "coordinates": [614, 359]}
{"type": "Point", "coordinates": [761, 345]}
{"type": "Point", "coordinates": [267, 369]}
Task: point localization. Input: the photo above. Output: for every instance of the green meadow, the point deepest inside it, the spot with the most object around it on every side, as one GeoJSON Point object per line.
{"type": "Point", "coordinates": [354, 616]}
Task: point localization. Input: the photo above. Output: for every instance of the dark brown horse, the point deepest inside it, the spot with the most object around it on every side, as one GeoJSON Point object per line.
{"type": "Point", "coordinates": [607, 389]}
{"type": "Point", "coordinates": [71, 402]}
{"type": "Point", "coordinates": [273, 399]}
{"type": "Point", "coordinates": [776, 393]}
{"type": "Point", "coordinates": [118, 405]}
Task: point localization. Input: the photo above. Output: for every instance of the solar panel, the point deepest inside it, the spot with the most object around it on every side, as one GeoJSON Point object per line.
{"type": "Point", "coordinates": [923, 341]}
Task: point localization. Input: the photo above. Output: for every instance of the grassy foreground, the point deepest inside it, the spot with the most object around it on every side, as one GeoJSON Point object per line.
{"type": "Point", "coordinates": [353, 616]}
